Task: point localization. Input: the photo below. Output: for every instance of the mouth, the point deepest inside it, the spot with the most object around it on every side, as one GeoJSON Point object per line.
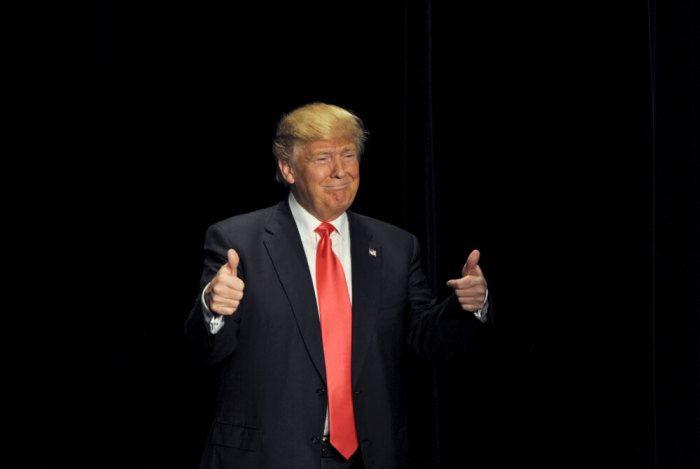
{"type": "Point", "coordinates": [336, 187]}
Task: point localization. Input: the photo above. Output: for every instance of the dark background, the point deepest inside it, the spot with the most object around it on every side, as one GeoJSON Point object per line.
{"type": "Point", "coordinates": [559, 138]}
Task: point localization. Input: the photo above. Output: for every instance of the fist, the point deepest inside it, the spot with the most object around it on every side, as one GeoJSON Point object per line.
{"type": "Point", "coordinates": [471, 288]}
{"type": "Point", "coordinates": [225, 292]}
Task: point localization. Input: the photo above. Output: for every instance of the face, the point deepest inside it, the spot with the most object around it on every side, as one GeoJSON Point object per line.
{"type": "Point", "coordinates": [324, 176]}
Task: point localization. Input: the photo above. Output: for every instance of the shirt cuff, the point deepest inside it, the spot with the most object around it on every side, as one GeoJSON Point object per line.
{"type": "Point", "coordinates": [481, 313]}
{"type": "Point", "coordinates": [214, 320]}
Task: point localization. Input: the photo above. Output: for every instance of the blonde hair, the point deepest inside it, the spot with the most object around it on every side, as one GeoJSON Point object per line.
{"type": "Point", "coordinates": [312, 122]}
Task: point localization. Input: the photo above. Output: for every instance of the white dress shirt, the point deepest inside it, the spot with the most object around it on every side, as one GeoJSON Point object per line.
{"type": "Point", "coordinates": [340, 240]}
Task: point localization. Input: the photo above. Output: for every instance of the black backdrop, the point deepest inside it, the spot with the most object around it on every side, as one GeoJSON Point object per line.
{"type": "Point", "coordinates": [559, 139]}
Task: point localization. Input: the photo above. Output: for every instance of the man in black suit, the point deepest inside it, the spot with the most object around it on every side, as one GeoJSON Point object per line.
{"type": "Point", "coordinates": [258, 314]}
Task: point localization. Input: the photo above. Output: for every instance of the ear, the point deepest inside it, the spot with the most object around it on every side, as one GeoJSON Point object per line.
{"type": "Point", "coordinates": [287, 171]}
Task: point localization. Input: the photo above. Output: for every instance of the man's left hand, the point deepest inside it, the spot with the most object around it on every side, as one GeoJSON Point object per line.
{"type": "Point", "coordinates": [471, 288]}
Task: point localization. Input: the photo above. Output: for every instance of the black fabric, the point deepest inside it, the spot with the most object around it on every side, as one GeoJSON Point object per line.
{"type": "Point", "coordinates": [675, 131]}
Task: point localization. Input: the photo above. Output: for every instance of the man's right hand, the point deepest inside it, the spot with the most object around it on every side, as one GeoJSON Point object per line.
{"type": "Point", "coordinates": [225, 291]}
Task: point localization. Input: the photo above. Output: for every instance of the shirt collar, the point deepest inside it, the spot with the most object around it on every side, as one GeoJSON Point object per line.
{"type": "Point", "coordinates": [307, 223]}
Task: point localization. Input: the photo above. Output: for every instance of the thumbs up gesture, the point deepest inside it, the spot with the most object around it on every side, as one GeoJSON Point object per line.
{"type": "Point", "coordinates": [471, 288]}
{"type": "Point", "coordinates": [225, 291]}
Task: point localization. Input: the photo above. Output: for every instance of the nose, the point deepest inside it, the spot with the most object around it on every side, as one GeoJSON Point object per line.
{"type": "Point", "coordinates": [338, 169]}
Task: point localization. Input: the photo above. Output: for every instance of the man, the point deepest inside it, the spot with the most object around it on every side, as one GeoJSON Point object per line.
{"type": "Point", "coordinates": [298, 390]}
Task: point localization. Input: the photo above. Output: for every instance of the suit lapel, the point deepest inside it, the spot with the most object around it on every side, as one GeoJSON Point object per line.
{"type": "Point", "coordinates": [366, 273]}
{"type": "Point", "coordinates": [285, 249]}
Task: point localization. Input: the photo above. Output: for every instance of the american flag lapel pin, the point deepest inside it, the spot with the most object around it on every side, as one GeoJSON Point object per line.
{"type": "Point", "coordinates": [372, 252]}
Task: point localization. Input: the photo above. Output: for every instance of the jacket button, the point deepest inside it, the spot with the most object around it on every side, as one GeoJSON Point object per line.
{"type": "Point", "coordinates": [320, 391]}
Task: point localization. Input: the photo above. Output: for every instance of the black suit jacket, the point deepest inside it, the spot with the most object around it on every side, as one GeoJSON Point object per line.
{"type": "Point", "coordinates": [272, 401]}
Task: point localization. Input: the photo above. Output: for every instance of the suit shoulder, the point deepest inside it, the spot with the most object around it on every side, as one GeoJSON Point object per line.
{"type": "Point", "coordinates": [244, 221]}
{"type": "Point", "coordinates": [381, 227]}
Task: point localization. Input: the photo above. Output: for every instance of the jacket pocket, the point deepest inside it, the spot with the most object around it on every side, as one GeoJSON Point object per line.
{"type": "Point", "coordinates": [235, 436]}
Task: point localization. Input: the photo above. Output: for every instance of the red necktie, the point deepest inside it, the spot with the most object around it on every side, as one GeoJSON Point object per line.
{"type": "Point", "coordinates": [336, 329]}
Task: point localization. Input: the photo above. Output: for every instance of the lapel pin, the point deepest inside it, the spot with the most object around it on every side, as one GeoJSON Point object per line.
{"type": "Point", "coordinates": [372, 252]}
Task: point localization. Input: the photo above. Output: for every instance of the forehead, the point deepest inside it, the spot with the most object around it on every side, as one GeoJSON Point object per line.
{"type": "Point", "coordinates": [330, 145]}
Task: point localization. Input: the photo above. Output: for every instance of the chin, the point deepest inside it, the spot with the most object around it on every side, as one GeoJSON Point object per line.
{"type": "Point", "coordinates": [345, 203]}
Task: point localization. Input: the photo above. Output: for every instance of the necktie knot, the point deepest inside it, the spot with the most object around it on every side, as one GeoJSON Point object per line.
{"type": "Point", "coordinates": [325, 229]}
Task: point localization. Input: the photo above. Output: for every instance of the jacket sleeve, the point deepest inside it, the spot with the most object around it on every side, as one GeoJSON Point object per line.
{"type": "Point", "coordinates": [437, 329]}
{"type": "Point", "coordinates": [212, 348]}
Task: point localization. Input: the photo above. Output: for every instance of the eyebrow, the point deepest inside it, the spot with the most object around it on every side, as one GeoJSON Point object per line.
{"type": "Point", "coordinates": [330, 150]}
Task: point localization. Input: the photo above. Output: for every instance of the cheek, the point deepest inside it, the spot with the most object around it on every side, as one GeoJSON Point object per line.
{"type": "Point", "coordinates": [354, 169]}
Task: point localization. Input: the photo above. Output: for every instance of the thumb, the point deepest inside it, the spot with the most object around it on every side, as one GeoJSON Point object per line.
{"type": "Point", "coordinates": [233, 261]}
{"type": "Point", "coordinates": [472, 262]}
